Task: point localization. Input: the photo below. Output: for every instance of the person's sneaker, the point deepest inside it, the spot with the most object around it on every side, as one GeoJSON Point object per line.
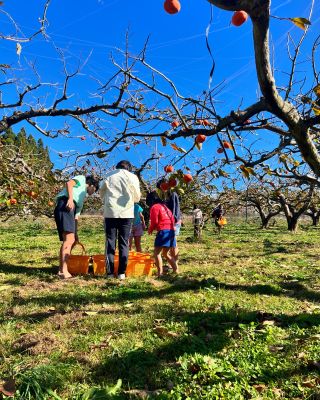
{"type": "Point", "coordinates": [110, 276]}
{"type": "Point", "coordinates": [121, 277]}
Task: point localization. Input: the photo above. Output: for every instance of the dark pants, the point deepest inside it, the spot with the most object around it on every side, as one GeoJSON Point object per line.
{"type": "Point", "coordinates": [65, 219]}
{"type": "Point", "coordinates": [117, 228]}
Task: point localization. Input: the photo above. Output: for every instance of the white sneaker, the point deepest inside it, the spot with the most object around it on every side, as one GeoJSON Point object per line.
{"type": "Point", "coordinates": [110, 276]}
{"type": "Point", "coordinates": [121, 277]}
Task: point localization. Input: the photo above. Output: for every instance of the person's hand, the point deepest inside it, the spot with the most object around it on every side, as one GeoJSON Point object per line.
{"type": "Point", "coordinates": [70, 205]}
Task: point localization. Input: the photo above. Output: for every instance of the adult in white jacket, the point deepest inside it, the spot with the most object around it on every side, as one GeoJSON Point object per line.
{"type": "Point", "coordinates": [119, 191]}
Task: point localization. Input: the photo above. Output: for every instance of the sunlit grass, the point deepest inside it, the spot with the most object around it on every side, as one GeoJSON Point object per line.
{"type": "Point", "coordinates": [241, 321]}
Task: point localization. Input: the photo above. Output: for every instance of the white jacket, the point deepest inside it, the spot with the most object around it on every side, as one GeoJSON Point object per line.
{"type": "Point", "coordinates": [119, 191]}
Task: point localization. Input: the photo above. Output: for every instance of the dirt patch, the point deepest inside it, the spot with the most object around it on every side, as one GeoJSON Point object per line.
{"type": "Point", "coordinates": [35, 344]}
{"type": "Point", "coordinates": [156, 282]}
{"type": "Point", "coordinates": [57, 284]}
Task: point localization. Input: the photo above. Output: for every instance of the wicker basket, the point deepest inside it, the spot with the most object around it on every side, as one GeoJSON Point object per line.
{"type": "Point", "coordinates": [78, 264]}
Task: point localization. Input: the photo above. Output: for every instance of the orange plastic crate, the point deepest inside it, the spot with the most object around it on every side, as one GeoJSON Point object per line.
{"type": "Point", "coordinates": [138, 264]}
{"type": "Point", "coordinates": [99, 264]}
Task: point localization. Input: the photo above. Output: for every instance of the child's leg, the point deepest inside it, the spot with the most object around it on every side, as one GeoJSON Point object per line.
{"type": "Point", "coordinates": [174, 253]}
{"type": "Point", "coordinates": [169, 255]}
{"type": "Point", "coordinates": [158, 260]}
{"type": "Point", "coordinates": [68, 240]}
{"type": "Point", "coordinates": [130, 242]}
{"type": "Point", "coordinates": [137, 243]}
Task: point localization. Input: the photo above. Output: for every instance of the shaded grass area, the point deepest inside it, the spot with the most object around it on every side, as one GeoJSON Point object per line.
{"type": "Point", "coordinates": [241, 321]}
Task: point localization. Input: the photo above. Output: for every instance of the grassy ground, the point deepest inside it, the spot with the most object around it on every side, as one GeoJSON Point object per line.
{"type": "Point", "coordinates": [242, 321]}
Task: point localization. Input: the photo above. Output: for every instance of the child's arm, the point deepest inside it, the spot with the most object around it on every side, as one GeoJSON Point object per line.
{"type": "Point", "coordinates": [76, 237]}
{"type": "Point", "coordinates": [70, 204]}
{"type": "Point", "coordinates": [102, 190]}
{"type": "Point", "coordinates": [153, 220]}
{"type": "Point", "coordinates": [143, 221]}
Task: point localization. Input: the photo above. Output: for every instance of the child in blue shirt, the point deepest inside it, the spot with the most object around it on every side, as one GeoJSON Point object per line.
{"type": "Point", "coordinates": [138, 227]}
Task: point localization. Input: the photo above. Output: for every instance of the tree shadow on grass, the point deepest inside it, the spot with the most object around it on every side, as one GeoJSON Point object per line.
{"type": "Point", "coordinates": [122, 294]}
{"type": "Point", "coordinates": [26, 270]}
{"type": "Point", "coordinates": [207, 334]}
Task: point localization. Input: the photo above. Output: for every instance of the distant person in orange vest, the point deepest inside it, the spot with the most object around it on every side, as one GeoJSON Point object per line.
{"type": "Point", "coordinates": [216, 215]}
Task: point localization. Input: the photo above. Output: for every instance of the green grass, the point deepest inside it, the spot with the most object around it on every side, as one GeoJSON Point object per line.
{"type": "Point", "coordinates": [242, 321]}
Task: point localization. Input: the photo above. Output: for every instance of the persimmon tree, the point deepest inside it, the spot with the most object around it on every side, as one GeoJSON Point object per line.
{"type": "Point", "coordinates": [150, 106]}
{"type": "Point", "coordinates": [27, 182]}
{"type": "Point", "coordinates": [291, 116]}
{"type": "Point", "coordinates": [294, 202]}
{"type": "Point", "coordinates": [260, 197]}
{"type": "Point", "coordinates": [314, 208]}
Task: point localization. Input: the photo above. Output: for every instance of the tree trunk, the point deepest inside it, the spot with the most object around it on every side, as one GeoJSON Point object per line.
{"type": "Point", "coordinates": [293, 224]}
{"type": "Point", "coordinates": [264, 222]}
{"type": "Point", "coordinates": [315, 219]}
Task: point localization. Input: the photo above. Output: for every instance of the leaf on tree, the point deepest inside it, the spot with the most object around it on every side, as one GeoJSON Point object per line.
{"type": "Point", "coordinates": [175, 147]}
{"type": "Point", "coordinates": [316, 110]}
{"type": "Point", "coordinates": [163, 140]}
{"type": "Point", "coordinates": [18, 49]}
{"type": "Point", "coordinates": [198, 145]}
{"type": "Point", "coordinates": [247, 171]}
{"type": "Point", "coordinates": [300, 22]}
{"type": "Point", "coordinates": [223, 173]}
{"type": "Point", "coordinates": [317, 90]}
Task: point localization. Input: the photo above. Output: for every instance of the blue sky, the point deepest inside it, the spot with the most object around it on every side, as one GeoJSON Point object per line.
{"type": "Point", "coordinates": [93, 29]}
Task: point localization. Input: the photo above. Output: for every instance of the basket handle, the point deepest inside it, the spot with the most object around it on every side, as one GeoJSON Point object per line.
{"type": "Point", "coordinates": [78, 244]}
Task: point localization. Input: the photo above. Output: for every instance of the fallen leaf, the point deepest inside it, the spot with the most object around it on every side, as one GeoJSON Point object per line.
{"type": "Point", "coordinates": [315, 337]}
{"type": "Point", "coordinates": [90, 312]}
{"type": "Point", "coordinates": [8, 387]}
{"type": "Point", "coordinates": [275, 349]}
{"type": "Point", "coordinates": [260, 388]}
{"type": "Point", "coordinates": [268, 322]}
{"type": "Point", "coordinates": [161, 330]}
{"type": "Point", "coordinates": [308, 384]}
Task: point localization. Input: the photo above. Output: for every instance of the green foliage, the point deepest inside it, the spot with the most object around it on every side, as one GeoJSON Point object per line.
{"type": "Point", "coordinates": [27, 183]}
{"type": "Point", "coordinates": [241, 321]}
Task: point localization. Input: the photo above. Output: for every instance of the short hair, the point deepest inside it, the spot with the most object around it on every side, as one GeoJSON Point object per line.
{"type": "Point", "coordinates": [124, 164]}
{"type": "Point", "coordinates": [92, 181]}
